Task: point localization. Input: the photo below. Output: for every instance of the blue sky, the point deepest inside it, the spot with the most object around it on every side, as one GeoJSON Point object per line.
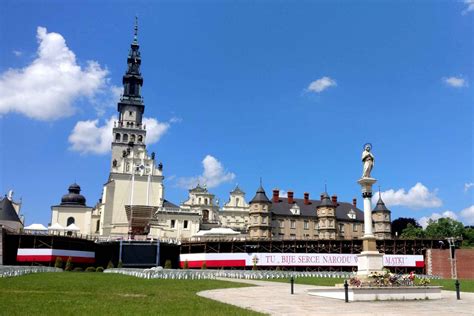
{"type": "Point", "coordinates": [238, 90]}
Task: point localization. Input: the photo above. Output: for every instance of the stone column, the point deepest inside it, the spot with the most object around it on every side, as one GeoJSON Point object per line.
{"type": "Point", "coordinates": [366, 186]}
{"type": "Point", "coordinates": [370, 260]}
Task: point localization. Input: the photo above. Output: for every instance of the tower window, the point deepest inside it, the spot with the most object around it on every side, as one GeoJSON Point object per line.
{"type": "Point", "coordinates": [185, 224]}
{"type": "Point", "coordinates": [173, 223]}
{"type": "Point", "coordinates": [125, 138]}
{"type": "Point", "coordinates": [236, 201]}
{"type": "Point", "coordinates": [132, 138]}
{"type": "Point", "coordinates": [70, 221]}
{"type": "Point", "coordinates": [140, 138]}
{"type": "Point", "coordinates": [130, 113]}
{"type": "Point", "coordinates": [117, 137]}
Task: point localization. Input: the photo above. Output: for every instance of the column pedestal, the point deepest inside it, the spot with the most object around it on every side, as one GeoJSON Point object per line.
{"type": "Point", "coordinates": [369, 260]}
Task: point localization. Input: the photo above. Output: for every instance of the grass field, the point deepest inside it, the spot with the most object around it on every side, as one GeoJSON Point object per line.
{"type": "Point", "coordinates": [81, 293]}
{"type": "Point", "coordinates": [466, 285]}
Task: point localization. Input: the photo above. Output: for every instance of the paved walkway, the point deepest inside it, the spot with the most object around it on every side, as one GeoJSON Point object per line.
{"type": "Point", "coordinates": [274, 298]}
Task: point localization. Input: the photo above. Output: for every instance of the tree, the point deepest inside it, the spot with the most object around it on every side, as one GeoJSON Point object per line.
{"type": "Point", "coordinates": [58, 263]}
{"type": "Point", "coordinates": [401, 223]}
{"type": "Point", "coordinates": [468, 237]}
{"type": "Point", "coordinates": [444, 227]}
{"type": "Point", "coordinates": [68, 264]}
{"type": "Point", "coordinates": [411, 232]}
{"type": "Point", "coordinates": [110, 265]}
{"type": "Point", "coordinates": [168, 264]}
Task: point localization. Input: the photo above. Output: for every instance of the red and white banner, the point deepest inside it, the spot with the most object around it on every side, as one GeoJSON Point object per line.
{"type": "Point", "coordinates": [243, 259]}
{"type": "Point", "coordinates": [50, 255]}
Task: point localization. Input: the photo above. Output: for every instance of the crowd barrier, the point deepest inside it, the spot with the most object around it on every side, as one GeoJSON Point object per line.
{"type": "Point", "coordinates": [12, 271]}
{"type": "Point", "coordinates": [183, 274]}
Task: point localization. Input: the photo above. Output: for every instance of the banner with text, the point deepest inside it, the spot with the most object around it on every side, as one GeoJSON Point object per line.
{"type": "Point", "coordinates": [242, 259]}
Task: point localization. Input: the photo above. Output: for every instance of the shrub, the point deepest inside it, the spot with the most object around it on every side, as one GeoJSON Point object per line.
{"type": "Point", "coordinates": [99, 269]}
{"type": "Point", "coordinates": [186, 264]}
{"type": "Point", "coordinates": [204, 265]}
{"type": "Point", "coordinates": [110, 265]}
{"type": "Point", "coordinates": [68, 264]}
{"type": "Point", "coordinates": [90, 269]}
{"type": "Point", "coordinates": [58, 263]}
{"type": "Point", "coordinates": [78, 269]}
{"type": "Point", "coordinates": [120, 264]}
{"type": "Point", "coordinates": [168, 264]}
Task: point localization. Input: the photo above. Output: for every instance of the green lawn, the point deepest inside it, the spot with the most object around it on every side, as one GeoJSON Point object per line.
{"type": "Point", "coordinates": [81, 293]}
{"type": "Point", "coordinates": [447, 284]}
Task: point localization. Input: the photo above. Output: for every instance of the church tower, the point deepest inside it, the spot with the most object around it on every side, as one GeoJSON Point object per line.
{"type": "Point", "coordinates": [326, 212]}
{"type": "Point", "coordinates": [260, 216]}
{"type": "Point", "coordinates": [129, 132]}
{"type": "Point", "coordinates": [134, 190]}
{"type": "Point", "coordinates": [381, 218]}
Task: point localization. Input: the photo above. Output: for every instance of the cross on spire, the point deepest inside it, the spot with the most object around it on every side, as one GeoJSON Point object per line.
{"type": "Point", "coordinates": [135, 38]}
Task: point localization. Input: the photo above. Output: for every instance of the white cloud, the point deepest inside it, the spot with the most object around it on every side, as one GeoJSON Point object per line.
{"type": "Point", "coordinates": [283, 194]}
{"type": "Point", "coordinates": [154, 129]}
{"type": "Point", "coordinates": [467, 215]}
{"type": "Point", "coordinates": [423, 221]}
{"type": "Point", "coordinates": [17, 53]}
{"type": "Point", "coordinates": [175, 119]}
{"type": "Point", "coordinates": [213, 175]}
{"type": "Point", "coordinates": [467, 186]}
{"type": "Point", "coordinates": [470, 6]}
{"type": "Point", "coordinates": [47, 88]}
{"type": "Point", "coordinates": [106, 98]}
{"type": "Point", "coordinates": [321, 84]}
{"type": "Point", "coordinates": [88, 137]}
{"type": "Point", "coordinates": [455, 82]}
{"type": "Point", "coordinates": [416, 197]}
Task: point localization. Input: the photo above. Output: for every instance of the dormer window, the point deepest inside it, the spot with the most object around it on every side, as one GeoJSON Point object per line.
{"type": "Point", "coordinates": [295, 209]}
{"type": "Point", "coordinates": [351, 214]}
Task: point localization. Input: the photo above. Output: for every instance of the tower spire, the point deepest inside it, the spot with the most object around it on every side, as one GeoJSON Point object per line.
{"type": "Point", "coordinates": [135, 37]}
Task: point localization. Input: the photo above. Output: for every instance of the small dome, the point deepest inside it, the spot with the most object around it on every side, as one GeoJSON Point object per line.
{"type": "Point", "coordinates": [73, 197]}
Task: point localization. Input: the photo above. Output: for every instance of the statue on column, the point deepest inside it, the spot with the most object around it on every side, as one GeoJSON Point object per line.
{"type": "Point", "coordinates": [367, 160]}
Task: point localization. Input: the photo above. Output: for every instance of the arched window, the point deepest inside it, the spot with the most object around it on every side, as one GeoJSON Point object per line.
{"type": "Point", "coordinates": [70, 221]}
{"type": "Point", "coordinates": [236, 201]}
{"type": "Point", "coordinates": [117, 137]}
{"type": "Point", "coordinates": [125, 138]}
{"type": "Point", "coordinates": [205, 215]}
{"type": "Point", "coordinates": [140, 138]}
{"type": "Point", "coordinates": [199, 201]}
{"type": "Point", "coordinates": [205, 201]}
{"type": "Point", "coordinates": [132, 138]}
{"type": "Point", "coordinates": [97, 226]}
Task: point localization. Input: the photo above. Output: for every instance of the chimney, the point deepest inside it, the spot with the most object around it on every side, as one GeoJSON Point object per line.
{"type": "Point", "coordinates": [306, 198]}
{"type": "Point", "coordinates": [290, 197]}
{"type": "Point", "coordinates": [354, 202]}
{"type": "Point", "coordinates": [334, 200]}
{"type": "Point", "coordinates": [276, 196]}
